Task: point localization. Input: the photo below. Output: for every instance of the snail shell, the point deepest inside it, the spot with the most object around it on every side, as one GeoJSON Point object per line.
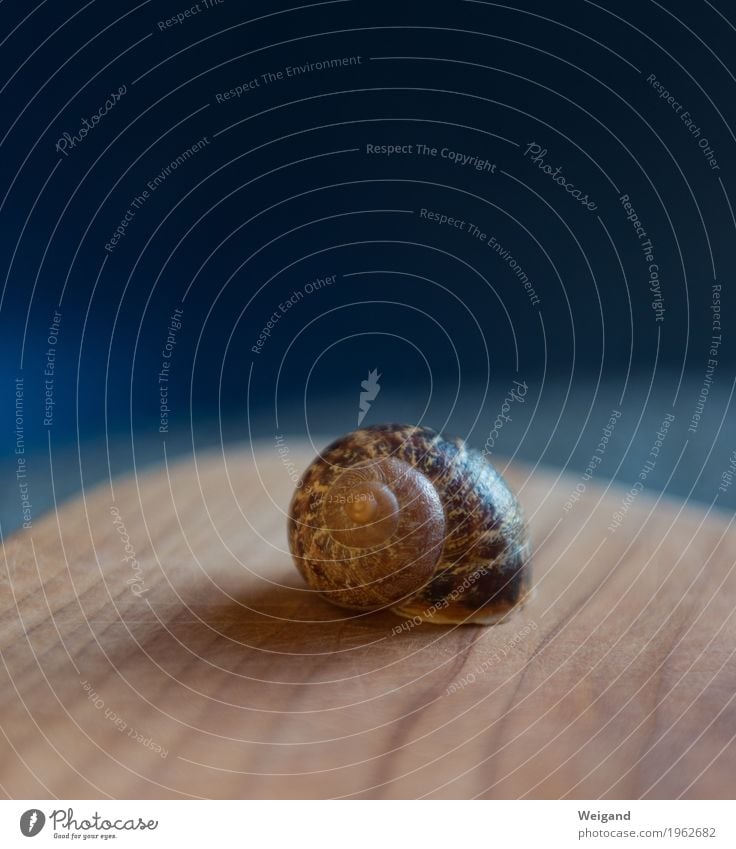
{"type": "Point", "coordinates": [399, 517]}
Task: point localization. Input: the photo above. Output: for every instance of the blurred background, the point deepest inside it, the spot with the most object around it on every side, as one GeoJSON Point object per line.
{"type": "Point", "coordinates": [218, 219]}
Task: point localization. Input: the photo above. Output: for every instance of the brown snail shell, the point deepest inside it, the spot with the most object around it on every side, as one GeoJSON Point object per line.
{"type": "Point", "coordinates": [399, 517]}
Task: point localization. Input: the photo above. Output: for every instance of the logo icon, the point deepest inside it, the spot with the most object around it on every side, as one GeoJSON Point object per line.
{"type": "Point", "coordinates": [31, 822]}
{"type": "Point", "coordinates": [371, 389]}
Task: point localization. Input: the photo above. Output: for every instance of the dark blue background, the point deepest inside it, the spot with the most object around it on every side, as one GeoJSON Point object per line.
{"type": "Point", "coordinates": [280, 198]}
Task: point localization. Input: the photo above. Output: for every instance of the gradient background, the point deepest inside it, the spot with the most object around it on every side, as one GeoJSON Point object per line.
{"type": "Point", "coordinates": [285, 193]}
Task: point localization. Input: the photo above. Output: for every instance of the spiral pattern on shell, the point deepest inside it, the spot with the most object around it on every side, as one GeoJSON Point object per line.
{"type": "Point", "coordinates": [399, 516]}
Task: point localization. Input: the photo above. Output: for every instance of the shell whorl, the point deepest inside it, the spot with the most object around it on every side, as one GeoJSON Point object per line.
{"type": "Point", "coordinates": [368, 535]}
{"type": "Point", "coordinates": [398, 516]}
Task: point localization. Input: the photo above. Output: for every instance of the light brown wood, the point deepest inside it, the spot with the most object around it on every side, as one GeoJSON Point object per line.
{"type": "Point", "coordinates": [618, 680]}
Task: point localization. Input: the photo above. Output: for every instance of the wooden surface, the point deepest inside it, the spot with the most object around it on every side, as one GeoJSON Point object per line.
{"type": "Point", "coordinates": [224, 677]}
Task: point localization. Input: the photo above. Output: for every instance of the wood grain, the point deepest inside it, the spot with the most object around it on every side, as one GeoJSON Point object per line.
{"type": "Point", "coordinates": [219, 674]}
